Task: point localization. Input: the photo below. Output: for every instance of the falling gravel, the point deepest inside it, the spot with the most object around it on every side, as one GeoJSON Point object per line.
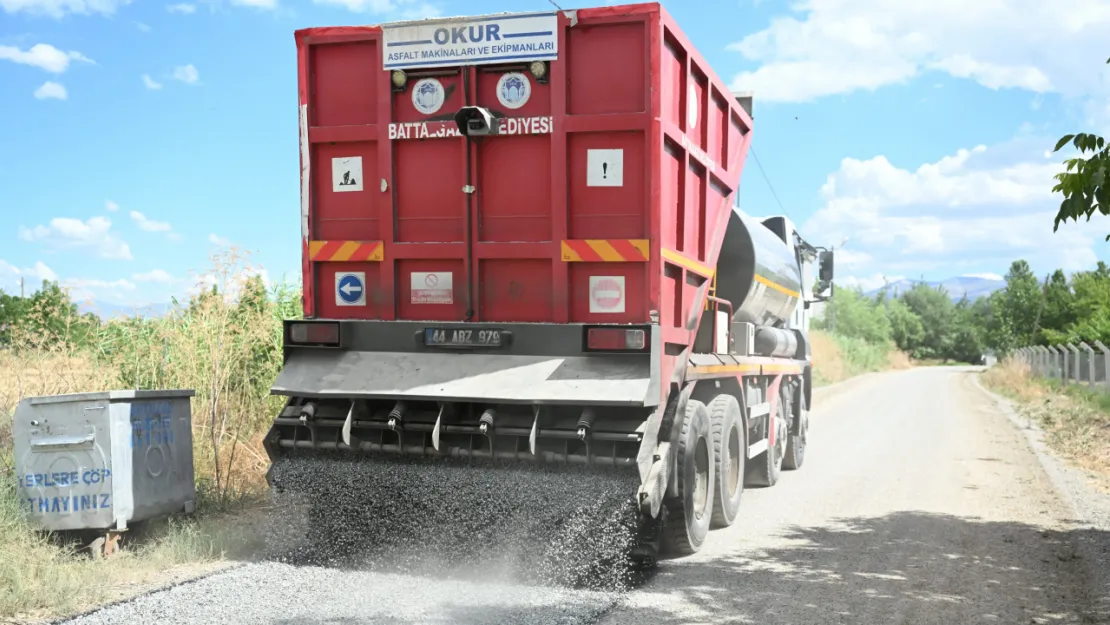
{"type": "Point", "coordinates": [365, 540]}
{"type": "Point", "coordinates": [548, 526]}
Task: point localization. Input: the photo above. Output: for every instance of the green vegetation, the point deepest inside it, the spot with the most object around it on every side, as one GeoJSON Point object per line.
{"type": "Point", "coordinates": [926, 324]}
{"type": "Point", "coordinates": [225, 343]}
{"type": "Point", "coordinates": [1085, 184]}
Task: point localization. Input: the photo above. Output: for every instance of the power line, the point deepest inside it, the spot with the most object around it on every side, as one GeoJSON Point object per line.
{"type": "Point", "coordinates": [768, 181]}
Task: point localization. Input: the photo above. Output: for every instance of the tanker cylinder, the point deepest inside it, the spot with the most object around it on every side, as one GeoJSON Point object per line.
{"type": "Point", "coordinates": [775, 342]}
{"type": "Point", "coordinates": [586, 423]}
{"type": "Point", "coordinates": [397, 416]}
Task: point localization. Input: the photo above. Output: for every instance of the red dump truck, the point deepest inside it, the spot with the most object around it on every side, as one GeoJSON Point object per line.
{"type": "Point", "coordinates": [521, 242]}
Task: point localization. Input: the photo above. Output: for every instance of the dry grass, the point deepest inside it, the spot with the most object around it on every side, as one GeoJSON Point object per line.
{"type": "Point", "coordinates": [897, 359]}
{"type": "Point", "coordinates": [828, 360]}
{"type": "Point", "coordinates": [226, 346]}
{"type": "Point", "coordinates": [1076, 420]}
{"type": "Point", "coordinates": [837, 358]}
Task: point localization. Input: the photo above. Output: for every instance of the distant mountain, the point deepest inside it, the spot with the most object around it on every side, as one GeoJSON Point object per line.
{"type": "Point", "coordinates": [109, 310]}
{"type": "Point", "coordinates": [973, 286]}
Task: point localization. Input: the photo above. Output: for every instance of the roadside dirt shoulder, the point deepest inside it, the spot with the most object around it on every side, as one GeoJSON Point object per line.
{"type": "Point", "coordinates": [1089, 504]}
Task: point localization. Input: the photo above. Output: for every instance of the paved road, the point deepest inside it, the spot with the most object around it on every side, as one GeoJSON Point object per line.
{"type": "Point", "coordinates": [918, 503]}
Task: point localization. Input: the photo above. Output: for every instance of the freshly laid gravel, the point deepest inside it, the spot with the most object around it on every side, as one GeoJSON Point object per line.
{"type": "Point", "coordinates": [399, 541]}
{"type": "Point", "coordinates": [282, 594]}
{"type": "Point", "coordinates": [919, 503]}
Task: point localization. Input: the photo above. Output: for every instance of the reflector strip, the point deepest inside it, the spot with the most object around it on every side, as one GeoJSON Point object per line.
{"type": "Point", "coordinates": [774, 285]}
{"type": "Point", "coordinates": [343, 251]}
{"type": "Point", "coordinates": [688, 263]}
{"type": "Point", "coordinates": [605, 251]}
{"type": "Point", "coordinates": [716, 370]}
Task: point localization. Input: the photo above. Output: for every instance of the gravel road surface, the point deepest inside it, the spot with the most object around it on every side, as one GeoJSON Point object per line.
{"type": "Point", "coordinates": [920, 502]}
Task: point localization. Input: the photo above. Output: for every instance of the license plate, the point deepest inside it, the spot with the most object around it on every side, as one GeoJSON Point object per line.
{"type": "Point", "coordinates": [461, 337]}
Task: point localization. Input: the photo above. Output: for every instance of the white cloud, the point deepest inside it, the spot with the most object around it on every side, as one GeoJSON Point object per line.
{"type": "Point", "coordinates": [51, 91]}
{"type": "Point", "coordinates": [983, 276]}
{"type": "Point", "coordinates": [228, 284]}
{"type": "Point", "coordinates": [32, 277]}
{"type": "Point", "coordinates": [149, 225]}
{"type": "Point", "coordinates": [43, 56]}
{"type": "Point", "coordinates": [182, 8]}
{"type": "Point", "coordinates": [111, 206]}
{"type": "Point", "coordinates": [59, 8]}
{"type": "Point", "coordinates": [41, 271]}
{"type": "Point", "coordinates": [867, 283]}
{"type": "Point", "coordinates": [142, 27]}
{"type": "Point", "coordinates": [219, 241]}
{"type": "Point", "coordinates": [977, 209]}
{"type": "Point", "coordinates": [407, 9]}
{"type": "Point", "coordinates": [151, 83]}
{"type": "Point", "coordinates": [86, 290]}
{"type": "Point", "coordinates": [829, 47]}
{"type": "Point", "coordinates": [186, 74]}
{"type": "Point", "coordinates": [94, 235]}
{"type": "Point", "coordinates": [258, 4]}
{"type": "Point", "coordinates": [154, 275]}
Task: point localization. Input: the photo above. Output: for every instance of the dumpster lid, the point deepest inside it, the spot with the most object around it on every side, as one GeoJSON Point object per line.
{"type": "Point", "coordinates": [111, 396]}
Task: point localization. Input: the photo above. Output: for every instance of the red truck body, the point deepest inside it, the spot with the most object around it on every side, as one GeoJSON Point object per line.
{"type": "Point", "coordinates": [539, 240]}
{"type": "Point", "coordinates": [519, 243]}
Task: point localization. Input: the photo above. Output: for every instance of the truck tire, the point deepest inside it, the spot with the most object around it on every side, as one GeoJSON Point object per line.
{"type": "Point", "coordinates": [764, 469]}
{"type": "Point", "coordinates": [796, 442]}
{"type": "Point", "coordinates": [730, 451]}
{"type": "Point", "coordinates": [688, 515]}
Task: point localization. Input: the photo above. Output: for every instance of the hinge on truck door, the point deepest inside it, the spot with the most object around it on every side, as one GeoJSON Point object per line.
{"type": "Point", "coordinates": [469, 188]}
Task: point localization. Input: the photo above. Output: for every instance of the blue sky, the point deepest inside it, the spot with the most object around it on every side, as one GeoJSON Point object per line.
{"type": "Point", "coordinates": [141, 136]}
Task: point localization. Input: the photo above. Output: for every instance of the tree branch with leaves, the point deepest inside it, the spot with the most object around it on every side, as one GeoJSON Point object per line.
{"type": "Point", "coordinates": [1084, 183]}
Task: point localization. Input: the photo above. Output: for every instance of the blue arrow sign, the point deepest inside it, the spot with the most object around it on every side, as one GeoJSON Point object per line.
{"type": "Point", "coordinates": [350, 288]}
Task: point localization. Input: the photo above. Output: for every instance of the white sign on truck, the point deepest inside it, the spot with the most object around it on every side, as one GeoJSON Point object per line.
{"type": "Point", "coordinates": [471, 40]}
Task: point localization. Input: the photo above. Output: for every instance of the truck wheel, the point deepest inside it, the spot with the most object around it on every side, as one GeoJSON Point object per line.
{"type": "Point", "coordinates": [730, 449]}
{"type": "Point", "coordinates": [796, 442]}
{"type": "Point", "coordinates": [688, 515]}
{"type": "Point", "coordinates": [764, 469]}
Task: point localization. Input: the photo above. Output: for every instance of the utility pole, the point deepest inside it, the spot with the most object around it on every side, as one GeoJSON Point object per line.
{"type": "Point", "coordinates": [831, 309]}
{"type": "Point", "coordinates": [1040, 309]}
{"type": "Point", "coordinates": [21, 280]}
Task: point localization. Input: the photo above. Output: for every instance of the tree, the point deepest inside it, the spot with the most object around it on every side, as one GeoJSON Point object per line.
{"type": "Point", "coordinates": [1014, 309]}
{"type": "Point", "coordinates": [856, 316]}
{"type": "Point", "coordinates": [937, 313]}
{"type": "Point", "coordinates": [1058, 309]}
{"type": "Point", "coordinates": [1086, 182]}
{"type": "Point", "coordinates": [12, 309]}
{"type": "Point", "coordinates": [969, 339]}
{"type": "Point", "coordinates": [48, 319]}
{"type": "Point", "coordinates": [905, 326]}
{"type": "Point", "coordinates": [1092, 307]}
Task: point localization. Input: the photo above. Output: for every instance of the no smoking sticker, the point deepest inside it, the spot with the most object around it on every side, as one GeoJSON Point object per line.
{"type": "Point", "coordinates": [435, 287]}
{"type": "Point", "coordinates": [607, 294]}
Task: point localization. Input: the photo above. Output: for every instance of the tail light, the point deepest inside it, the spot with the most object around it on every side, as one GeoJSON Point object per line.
{"type": "Point", "coordinates": [318, 334]}
{"type": "Point", "coordinates": [616, 339]}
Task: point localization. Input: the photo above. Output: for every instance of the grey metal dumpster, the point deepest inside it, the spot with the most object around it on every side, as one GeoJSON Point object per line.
{"type": "Point", "coordinates": [102, 460]}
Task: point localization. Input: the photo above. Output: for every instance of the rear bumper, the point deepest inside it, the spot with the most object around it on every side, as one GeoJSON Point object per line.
{"type": "Point", "coordinates": [544, 364]}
